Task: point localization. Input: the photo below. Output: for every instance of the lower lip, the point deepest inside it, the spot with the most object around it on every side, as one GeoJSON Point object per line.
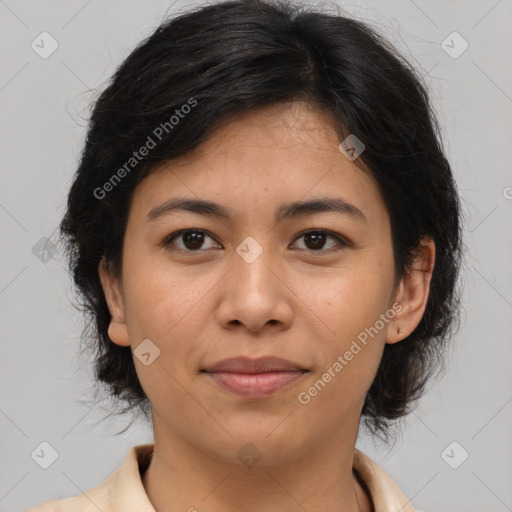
{"type": "Point", "coordinates": [255, 385]}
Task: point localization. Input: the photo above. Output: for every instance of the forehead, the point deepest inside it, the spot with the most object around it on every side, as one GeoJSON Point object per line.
{"type": "Point", "coordinates": [296, 128]}
{"type": "Point", "coordinates": [275, 154]}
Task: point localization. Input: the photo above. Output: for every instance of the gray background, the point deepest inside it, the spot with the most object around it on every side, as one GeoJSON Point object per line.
{"type": "Point", "coordinates": [44, 105]}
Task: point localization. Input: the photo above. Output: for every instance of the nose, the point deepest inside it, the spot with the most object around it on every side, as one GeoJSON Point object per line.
{"type": "Point", "coordinates": [255, 294]}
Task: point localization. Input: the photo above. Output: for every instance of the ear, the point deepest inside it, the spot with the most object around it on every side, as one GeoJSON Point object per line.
{"type": "Point", "coordinates": [112, 288]}
{"type": "Point", "coordinates": [412, 293]}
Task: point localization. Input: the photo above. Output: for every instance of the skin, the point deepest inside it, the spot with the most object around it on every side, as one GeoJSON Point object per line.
{"type": "Point", "coordinates": [208, 304]}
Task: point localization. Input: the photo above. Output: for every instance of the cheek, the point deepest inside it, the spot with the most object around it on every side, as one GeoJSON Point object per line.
{"type": "Point", "coordinates": [352, 304]}
{"type": "Point", "coordinates": [166, 309]}
{"type": "Point", "coordinates": [348, 302]}
{"type": "Point", "coordinates": [168, 306]}
{"type": "Point", "coordinates": [158, 297]}
{"type": "Point", "coordinates": [348, 360]}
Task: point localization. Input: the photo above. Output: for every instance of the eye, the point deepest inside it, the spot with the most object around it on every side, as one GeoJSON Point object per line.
{"type": "Point", "coordinates": [315, 240]}
{"type": "Point", "coordinates": [192, 240]}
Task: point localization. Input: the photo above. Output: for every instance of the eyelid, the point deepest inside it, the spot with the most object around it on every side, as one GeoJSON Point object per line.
{"type": "Point", "coordinates": [175, 234]}
{"type": "Point", "coordinates": [342, 240]}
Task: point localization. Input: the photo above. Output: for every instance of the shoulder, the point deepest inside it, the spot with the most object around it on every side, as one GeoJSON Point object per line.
{"type": "Point", "coordinates": [385, 493]}
{"type": "Point", "coordinates": [89, 501]}
{"type": "Point", "coordinates": [74, 504]}
{"type": "Point", "coordinates": [122, 490]}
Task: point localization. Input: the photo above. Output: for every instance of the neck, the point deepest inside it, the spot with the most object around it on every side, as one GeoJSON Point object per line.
{"type": "Point", "coordinates": [182, 476]}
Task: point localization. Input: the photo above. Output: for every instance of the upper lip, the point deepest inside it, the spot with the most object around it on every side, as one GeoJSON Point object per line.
{"type": "Point", "coordinates": [248, 365]}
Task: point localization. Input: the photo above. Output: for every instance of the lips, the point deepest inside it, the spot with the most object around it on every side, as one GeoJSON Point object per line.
{"type": "Point", "coordinates": [248, 365]}
{"type": "Point", "coordinates": [255, 378]}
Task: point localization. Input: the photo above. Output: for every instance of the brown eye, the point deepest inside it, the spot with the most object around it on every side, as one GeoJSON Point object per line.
{"type": "Point", "coordinates": [315, 240]}
{"type": "Point", "coordinates": [191, 239]}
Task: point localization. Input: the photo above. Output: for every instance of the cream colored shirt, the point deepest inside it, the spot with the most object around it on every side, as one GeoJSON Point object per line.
{"type": "Point", "coordinates": [123, 490]}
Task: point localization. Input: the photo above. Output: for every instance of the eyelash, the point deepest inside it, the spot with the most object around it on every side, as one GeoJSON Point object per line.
{"type": "Point", "coordinates": [341, 240]}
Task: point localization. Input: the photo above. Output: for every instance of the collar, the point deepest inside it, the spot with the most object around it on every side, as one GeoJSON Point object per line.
{"type": "Point", "coordinates": [124, 490]}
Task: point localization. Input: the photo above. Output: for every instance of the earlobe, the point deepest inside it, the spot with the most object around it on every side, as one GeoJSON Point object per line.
{"type": "Point", "coordinates": [117, 330]}
{"type": "Point", "coordinates": [413, 293]}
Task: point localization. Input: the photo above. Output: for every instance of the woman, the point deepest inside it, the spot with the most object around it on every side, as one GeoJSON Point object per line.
{"type": "Point", "coordinates": [266, 234]}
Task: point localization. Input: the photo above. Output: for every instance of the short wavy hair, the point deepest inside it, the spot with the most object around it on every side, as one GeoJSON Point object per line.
{"type": "Point", "coordinates": [235, 56]}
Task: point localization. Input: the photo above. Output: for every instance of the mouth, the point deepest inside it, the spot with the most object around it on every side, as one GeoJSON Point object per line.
{"type": "Point", "coordinates": [255, 378]}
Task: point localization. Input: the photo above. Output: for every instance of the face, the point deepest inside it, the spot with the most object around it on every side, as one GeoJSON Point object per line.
{"type": "Point", "coordinates": [314, 288]}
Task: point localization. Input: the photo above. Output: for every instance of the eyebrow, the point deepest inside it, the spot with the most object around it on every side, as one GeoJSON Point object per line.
{"type": "Point", "coordinates": [285, 211]}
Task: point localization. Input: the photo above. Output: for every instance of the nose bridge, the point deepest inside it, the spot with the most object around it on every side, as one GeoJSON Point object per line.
{"type": "Point", "coordinates": [252, 261]}
{"type": "Point", "coordinates": [254, 295]}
